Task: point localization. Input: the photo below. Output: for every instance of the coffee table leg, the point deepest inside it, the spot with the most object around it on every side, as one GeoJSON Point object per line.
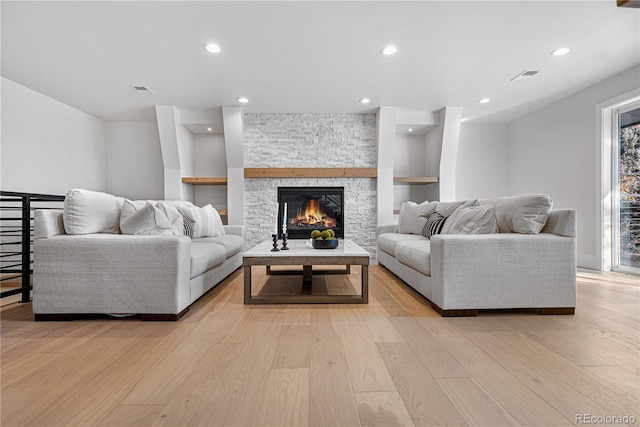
{"type": "Point", "coordinates": [247, 284]}
{"type": "Point", "coordinates": [365, 284]}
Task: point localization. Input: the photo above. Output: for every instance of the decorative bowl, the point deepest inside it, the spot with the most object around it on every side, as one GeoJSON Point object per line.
{"type": "Point", "coordinates": [324, 244]}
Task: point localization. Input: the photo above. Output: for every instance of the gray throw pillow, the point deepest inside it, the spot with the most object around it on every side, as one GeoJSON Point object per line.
{"type": "Point", "coordinates": [447, 208]}
{"type": "Point", "coordinates": [413, 216]}
{"type": "Point", "coordinates": [472, 220]}
{"type": "Point", "coordinates": [521, 214]}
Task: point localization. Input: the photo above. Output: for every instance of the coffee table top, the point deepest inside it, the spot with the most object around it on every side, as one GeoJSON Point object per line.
{"type": "Point", "coordinates": [303, 248]}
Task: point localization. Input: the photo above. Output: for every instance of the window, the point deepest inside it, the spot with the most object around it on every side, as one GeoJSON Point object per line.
{"type": "Point", "coordinates": [625, 189]}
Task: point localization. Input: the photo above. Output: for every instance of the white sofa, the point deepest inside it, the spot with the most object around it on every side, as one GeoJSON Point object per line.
{"type": "Point", "coordinates": [463, 273]}
{"type": "Point", "coordinates": [155, 277]}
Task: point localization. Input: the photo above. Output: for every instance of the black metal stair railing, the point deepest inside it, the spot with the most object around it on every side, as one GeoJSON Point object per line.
{"type": "Point", "coordinates": [16, 238]}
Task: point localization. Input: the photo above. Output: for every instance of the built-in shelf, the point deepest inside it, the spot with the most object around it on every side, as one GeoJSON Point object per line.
{"type": "Point", "coordinates": [420, 180]}
{"type": "Point", "coordinates": [205, 181]}
{"type": "Point", "coordinates": [223, 213]}
{"type": "Point", "coordinates": [310, 172]}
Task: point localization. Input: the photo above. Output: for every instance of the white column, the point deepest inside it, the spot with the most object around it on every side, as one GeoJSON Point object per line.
{"type": "Point", "coordinates": [168, 120]}
{"type": "Point", "coordinates": [450, 120]}
{"type": "Point", "coordinates": [234, 144]}
{"type": "Point", "coordinates": [386, 126]}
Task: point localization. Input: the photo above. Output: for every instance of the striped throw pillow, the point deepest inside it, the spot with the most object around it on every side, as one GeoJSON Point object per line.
{"type": "Point", "coordinates": [434, 225]}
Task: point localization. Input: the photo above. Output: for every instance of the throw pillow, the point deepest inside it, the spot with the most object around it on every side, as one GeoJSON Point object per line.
{"type": "Point", "coordinates": [217, 220]}
{"type": "Point", "coordinates": [177, 223]}
{"type": "Point", "coordinates": [413, 216]}
{"type": "Point", "coordinates": [188, 227]}
{"type": "Point", "coordinates": [447, 208]}
{"type": "Point", "coordinates": [472, 220]}
{"type": "Point", "coordinates": [206, 220]}
{"type": "Point", "coordinates": [147, 220]}
{"type": "Point", "coordinates": [87, 212]}
{"type": "Point", "coordinates": [526, 214]}
{"type": "Point", "coordinates": [434, 225]}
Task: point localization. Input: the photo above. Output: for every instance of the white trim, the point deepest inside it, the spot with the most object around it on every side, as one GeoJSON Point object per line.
{"type": "Point", "coordinates": [604, 141]}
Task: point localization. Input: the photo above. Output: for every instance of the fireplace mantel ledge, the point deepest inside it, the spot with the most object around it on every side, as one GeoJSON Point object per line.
{"type": "Point", "coordinates": [310, 172]}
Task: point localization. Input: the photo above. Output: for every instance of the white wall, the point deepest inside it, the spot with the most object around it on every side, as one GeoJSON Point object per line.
{"type": "Point", "coordinates": [47, 146]}
{"type": "Point", "coordinates": [553, 151]}
{"type": "Point", "coordinates": [481, 167]}
{"type": "Point", "coordinates": [134, 160]}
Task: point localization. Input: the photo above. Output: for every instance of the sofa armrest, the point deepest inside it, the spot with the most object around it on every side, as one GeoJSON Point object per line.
{"type": "Point", "coordinates": [107, 273]}
{"type": "Point", "coordinates": [385, 228]}
{"type": "Point", "coordinates": [506, 270]}
{"type": "Point", "coordinates": [237, 230]}
{"type": "Point", "coordinates": [48, 223]}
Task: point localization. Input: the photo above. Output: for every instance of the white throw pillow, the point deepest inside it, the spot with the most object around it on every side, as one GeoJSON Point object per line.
{"type": "Point", "coordinates": [206, 221]}
{"type": "Point", "coordinates": [413, 216]}
{"type": "Point", "coordinates": [146, 220]}
{"type": "Point", "coordinates": [521, 214]}
{"type": "Point", "coordinates": [177, 224]}
{"type": "Point", "coordinates": [87, 212]}
{"type": "Point", "coordinates": [471, 220]}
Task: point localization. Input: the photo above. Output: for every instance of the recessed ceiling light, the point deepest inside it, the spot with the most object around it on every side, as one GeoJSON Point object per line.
{"type": "Point", "coordinates": [560, 51]}
{"type": "Point", "coordinates": [410, 130]}
{"type": "Point", "coordinates": [209, 129]}
{"type": "Point", "coordinates": [211, 47]}
{"type": "Point", "coordinates": [389, 50]}
{"type": "Point", "coordinates": [243, 100]}
{"type": "Point", "coordinates": [365, 100]}
{"type": "Point", "coordinates": [483, 100]}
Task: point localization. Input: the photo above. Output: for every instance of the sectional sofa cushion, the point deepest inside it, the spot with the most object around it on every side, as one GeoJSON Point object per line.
{"type": "Point", "coordinates": [232, 243]}
{"type": "Point", "coordinates": [205, 255]}
{"type": "Point", "coordinates": [413, 216]}
{"type": "Point", "coordinates": [87, 212]}
{"type": "Point", "coordinates": [521, 214]}
{"type": "Point", "coordinates": [416, 254]}
{"type": "Point", "coordinates": [387, 242]}
{"type": "Point", "coordinates": [471, 220]}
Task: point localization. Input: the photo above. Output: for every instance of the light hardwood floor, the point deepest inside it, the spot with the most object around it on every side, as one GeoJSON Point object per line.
{"type": "Point", "coordinates": [391, 362]}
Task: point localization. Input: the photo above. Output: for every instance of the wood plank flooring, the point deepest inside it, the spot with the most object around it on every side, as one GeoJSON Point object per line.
{"type": "Point", "coordinates": [391, 362]}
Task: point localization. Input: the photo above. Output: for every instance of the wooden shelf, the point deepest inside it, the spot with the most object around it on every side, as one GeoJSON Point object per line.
{"type": "Point", "coordinates": [223, 213]}
{"type": "Point", "coordinates": [420, 180]}
{"type": "Point", "coordinates": [205, 181]}
{"type": "Point", "coordinates": [310, 172]}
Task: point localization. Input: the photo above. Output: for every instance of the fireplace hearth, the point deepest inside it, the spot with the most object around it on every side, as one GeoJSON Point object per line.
{"type": "Point", "coordinates": [311, 208]}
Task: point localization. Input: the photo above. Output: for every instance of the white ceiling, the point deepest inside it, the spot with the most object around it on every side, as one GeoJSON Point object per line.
{"type": "Point", "coordinates": [314, 56]}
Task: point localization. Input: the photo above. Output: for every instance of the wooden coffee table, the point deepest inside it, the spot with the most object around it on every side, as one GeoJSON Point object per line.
{"type": "Point", "coordinates": [302, 253]}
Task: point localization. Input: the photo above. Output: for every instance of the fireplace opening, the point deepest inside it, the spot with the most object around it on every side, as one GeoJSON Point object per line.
{"type": "Point", "coordinates": [311, 208]}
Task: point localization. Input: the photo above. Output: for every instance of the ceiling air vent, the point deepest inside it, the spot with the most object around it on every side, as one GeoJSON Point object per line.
{"type": "Point", "coordinates": [141, 89]}
{"type": "Point", "coordinates": [526, 74]}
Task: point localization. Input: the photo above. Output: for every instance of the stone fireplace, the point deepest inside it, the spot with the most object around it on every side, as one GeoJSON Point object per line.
{"type": "Point", "coordinates": [275, 140]}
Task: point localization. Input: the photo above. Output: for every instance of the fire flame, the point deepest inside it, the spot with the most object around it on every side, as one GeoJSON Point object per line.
{"type": "Point", "coordinates": [312, 215]}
